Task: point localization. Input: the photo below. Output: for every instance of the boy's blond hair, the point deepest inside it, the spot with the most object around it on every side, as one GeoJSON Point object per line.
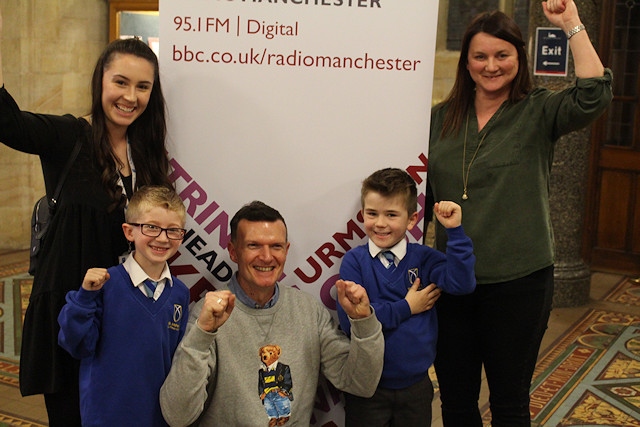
{"type": "Point", "coordinates": [155, 196]}
{"type": "Point", "coordinates": [390, 182]}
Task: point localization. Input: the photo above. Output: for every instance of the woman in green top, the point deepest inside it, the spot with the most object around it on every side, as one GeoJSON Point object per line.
{"type": "Point", "coordinates": [491, 150]}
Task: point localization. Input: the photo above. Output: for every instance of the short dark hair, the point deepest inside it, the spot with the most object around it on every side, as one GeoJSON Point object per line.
{"type": "Point", "coordinates": [391, 182]}
{"type": "Point", "coordinates": [255, 211]}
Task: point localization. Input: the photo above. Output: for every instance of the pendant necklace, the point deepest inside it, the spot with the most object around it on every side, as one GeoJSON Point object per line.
{"type": "Point", "coordinates": [465, 177]}
{"type": "Point", "coordinates": [265, 322]}
{"type": "Point", "coordinates": [465, 174]}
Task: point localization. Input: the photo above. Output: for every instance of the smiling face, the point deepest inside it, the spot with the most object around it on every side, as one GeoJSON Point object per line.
{"type": "Point", "coordinates": [260, 250]}
{"type": "Point", "coordinates": [492, 64]}
{"type": "Point", "coordinates": [386, 219]}
{"type": "Point", "coordinates": [126, 87]}
{"type": "Point", "coordinates": [152, 252]}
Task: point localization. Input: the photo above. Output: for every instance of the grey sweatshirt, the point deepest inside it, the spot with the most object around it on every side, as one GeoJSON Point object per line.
{"type": "Point", "coordinates": [214, 379]}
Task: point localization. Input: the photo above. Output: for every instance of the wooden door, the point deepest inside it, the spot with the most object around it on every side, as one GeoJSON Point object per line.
{"type": "Point", "coordinates": [612, 230]}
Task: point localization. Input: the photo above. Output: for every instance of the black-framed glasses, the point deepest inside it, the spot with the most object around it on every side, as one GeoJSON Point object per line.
{"type": "Point", "coordinates": [154, 231]}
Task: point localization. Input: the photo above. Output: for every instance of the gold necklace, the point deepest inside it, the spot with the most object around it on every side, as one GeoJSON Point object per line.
{"type": "Point", "coordinates": [465, 178]}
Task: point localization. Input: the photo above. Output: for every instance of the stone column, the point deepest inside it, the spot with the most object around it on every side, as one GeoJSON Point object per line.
{"type": "Point", "coordinates": [568, 175]}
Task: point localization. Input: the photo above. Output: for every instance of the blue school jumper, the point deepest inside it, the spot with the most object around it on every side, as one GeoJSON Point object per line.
{"type": "Point", "coordinates": [125, 341]}
{"type": "Point", "coordinates": [410, 340]}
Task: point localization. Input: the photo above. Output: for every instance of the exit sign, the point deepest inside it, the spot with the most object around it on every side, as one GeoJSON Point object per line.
{"type": "Point", "coordinates": [552, 52]}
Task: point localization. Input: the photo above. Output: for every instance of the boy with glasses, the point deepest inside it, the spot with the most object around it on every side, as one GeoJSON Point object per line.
{"type": "Point", "coordinates": [125, 322]}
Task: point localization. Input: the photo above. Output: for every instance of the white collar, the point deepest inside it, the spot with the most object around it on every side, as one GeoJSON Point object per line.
{"type": "Point", "coordinates": [399, 249]}
{"type": "Point", "coordinates": [138, 275]}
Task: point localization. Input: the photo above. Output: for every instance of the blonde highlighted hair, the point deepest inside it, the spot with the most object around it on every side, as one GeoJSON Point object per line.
{"type": "Point", "coordinates": [155, 196]}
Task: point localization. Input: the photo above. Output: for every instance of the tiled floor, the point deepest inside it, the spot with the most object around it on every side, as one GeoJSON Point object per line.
{"type": "Point", "coordinates": [561, 320]}
{"type": "Point", "coordinates": [32, 407]}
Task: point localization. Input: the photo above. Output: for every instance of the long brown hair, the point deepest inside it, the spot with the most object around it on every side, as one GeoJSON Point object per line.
{"type": "Point", "coordinates": [147, 134]}
{"type": "Point", "coordinates": [499, 25]}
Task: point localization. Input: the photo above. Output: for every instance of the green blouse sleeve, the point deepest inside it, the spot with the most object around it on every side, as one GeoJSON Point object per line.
{"type": "Point", "coordinates": [578, 106]}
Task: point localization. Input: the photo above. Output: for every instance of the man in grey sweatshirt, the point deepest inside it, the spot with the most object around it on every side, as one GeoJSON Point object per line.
{"type": "Point", "coordinates": [259, 366]}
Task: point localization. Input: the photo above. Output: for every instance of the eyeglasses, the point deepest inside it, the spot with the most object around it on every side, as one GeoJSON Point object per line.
{"type": "Point", "coordinates": [154, 231]}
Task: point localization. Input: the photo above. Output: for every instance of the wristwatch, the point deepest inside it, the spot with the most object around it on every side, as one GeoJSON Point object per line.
{"type": "Point", "coordinates": [575, 30]}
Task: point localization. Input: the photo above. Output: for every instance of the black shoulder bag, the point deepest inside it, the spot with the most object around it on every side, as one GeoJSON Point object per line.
{"type": "Point", "coordinates": [43, 212]}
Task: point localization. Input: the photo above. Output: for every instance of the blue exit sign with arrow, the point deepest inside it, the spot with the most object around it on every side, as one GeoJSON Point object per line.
{"type": "Point", "coordinates": [552, 52]}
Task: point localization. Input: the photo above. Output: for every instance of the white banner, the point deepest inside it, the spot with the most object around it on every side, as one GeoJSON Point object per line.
{"type": "Point", "coordinates": [294, 103]}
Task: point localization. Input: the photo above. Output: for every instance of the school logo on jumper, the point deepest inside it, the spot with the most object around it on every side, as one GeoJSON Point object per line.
{"type": "Point", "coordinates": [177, 312]}
{"type": "Point", "coordinates": [413, 275]}
{"type": "Point", "coordinates": [274, 385]}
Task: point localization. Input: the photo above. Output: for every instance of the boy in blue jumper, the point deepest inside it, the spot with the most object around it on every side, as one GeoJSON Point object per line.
{"type": "Point", "coordinates": [394, 273]}
{"type": "Point", "coordinates": [125, 322]}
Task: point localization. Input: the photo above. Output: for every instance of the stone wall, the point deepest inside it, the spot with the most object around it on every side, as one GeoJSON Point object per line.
{"type": "Point", "coordinates": [49, 48]}
{"type": "Point", "coordinates": [444, 72]}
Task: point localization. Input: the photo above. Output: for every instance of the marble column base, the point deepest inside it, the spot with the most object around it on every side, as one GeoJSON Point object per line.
{"type": "Point", "coordinates": [572, 282]}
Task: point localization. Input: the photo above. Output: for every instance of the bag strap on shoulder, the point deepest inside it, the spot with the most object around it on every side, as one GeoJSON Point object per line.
{"type": "Point", "coordinates": [76, 149]}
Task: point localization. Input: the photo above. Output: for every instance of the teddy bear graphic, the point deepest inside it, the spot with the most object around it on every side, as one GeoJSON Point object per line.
{"type": "Point", "coordinates": [274, 385]}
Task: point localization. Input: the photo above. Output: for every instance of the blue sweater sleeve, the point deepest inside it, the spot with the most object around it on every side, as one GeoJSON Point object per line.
{"type": "Point", "coordinates": [80, 320]}
{"type": "Point", "coordinates": [456, 275]}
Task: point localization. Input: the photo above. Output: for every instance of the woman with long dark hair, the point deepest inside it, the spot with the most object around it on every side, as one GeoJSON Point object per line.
{"type": "Point", "coordinates": [491, 150]}
{"type": "Point", "coordinates": [123, 148]}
